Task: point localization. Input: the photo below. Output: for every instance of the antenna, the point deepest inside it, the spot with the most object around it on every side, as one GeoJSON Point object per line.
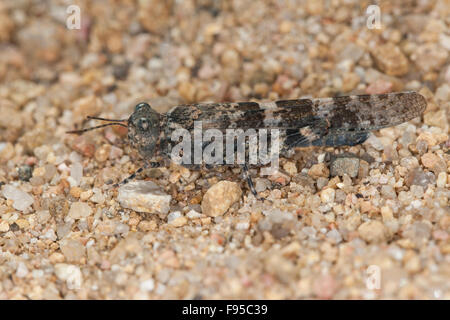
{"type": "Point", "coordinates": [114, 122]}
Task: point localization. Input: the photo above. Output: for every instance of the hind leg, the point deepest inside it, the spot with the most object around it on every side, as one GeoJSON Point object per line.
{"type": "Point", "coordinates": [247, 177]}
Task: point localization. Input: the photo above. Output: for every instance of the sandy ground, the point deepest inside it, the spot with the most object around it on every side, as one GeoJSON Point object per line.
{"type": "Point", "coordinates": [371, 224]}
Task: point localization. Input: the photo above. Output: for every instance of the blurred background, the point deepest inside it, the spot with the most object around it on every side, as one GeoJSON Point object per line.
{"type": "Point", "coordinates": [173, 52]}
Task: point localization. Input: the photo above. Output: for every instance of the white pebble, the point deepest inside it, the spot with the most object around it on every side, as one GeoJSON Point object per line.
{"type": "Point", "coordinates": [21, 200]}
{"type": "Point", "coordinates": [37, 273]}
{"type": "Point", "coordinates": [441, 180]}
{"type": "Point", "coordinates": [144, 196]}
{"type": "Point", "coordinates": [310, 232]}
{"type": "Point", "coordinates": [22, 270]}
{"type": "Point", "coordinates": [76, 172]}
{"type": "Point", "coordinates": [321, 157]}
{"type": "Point", "coordinates": [50, 234]}
{"type": "Point", "coordinates": [261, 184]}
{"type": "Point", "coordinates": [98, 196]}
{"type": "Point", "coordinates": [69, 273]}
{"type": "Point", "coordinates": [242, 225]}
{"type": "Point", "coordinates": [79, 210]}
{"type": "Point", "coordinates": [416, 203]}
{"type": "Point", "coordinates": [122, 228]}
{"type": "Point", "coordinates": [445, 41]}
{"type": "Point", "coordinates": [193, 214]}
{"type": "Point", "coordinates": [375, 143]}
{"type": "Point", "coordinates": [327, 195]}
{"type": "Point", "coordinates": [4, 226]}
{"type": "Point", "coordinates": [173, 215]}
{"type": "Point", "coordinates": [75, 157]}
{"type": "Point", "coordinates": [63, 167]}
{"type": "Point", "coordinates": [147, 285]}
{"type": "Point", "coordinates": [334, 235]}
{"type": "Point", "coordinates": [396, 252]}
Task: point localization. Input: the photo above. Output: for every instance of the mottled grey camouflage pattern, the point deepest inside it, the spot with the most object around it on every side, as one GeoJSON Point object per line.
{"type": "Point", "coordinates": [338, 121]}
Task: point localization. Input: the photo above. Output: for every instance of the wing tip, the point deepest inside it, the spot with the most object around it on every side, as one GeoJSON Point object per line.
{"type": "Point", "coordinates": [418, 100]}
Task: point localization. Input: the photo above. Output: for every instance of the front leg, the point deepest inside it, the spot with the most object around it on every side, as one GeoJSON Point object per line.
{"type": "Point", "coordinates": [151, 164]}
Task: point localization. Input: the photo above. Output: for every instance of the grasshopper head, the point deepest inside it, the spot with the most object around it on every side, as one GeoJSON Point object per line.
{"type": "Point", "coordinates": [144, 129]}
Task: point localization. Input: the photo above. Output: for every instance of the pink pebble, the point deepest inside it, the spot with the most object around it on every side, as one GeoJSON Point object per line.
{"type": "Point", "coordinates": [31, 161]}
{"type": "Point", "coordinates": [110, 135]}
{"type": "Point", "coordinates": [115, 152]}
{"type": "Point", "coordinates": [324, 287]}
{"type": "Point", "coordinates": [440, 235]}
{"type": "Point", "coordinates": [379, 87]}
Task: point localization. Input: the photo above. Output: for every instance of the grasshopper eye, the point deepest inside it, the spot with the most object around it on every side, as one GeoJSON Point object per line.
{"type": "Point", "coordinates": [143, 124]}
{"type": "Point", "coordinates": [139, 106]}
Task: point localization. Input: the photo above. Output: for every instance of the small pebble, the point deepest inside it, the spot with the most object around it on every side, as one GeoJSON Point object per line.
{"type": "Point", "coordinates": [327, 195]}
{"type": "Point", "coordinates": [21, 200]}
{"type": "Point", "coordinates": [441, 180]}
{"type": "Point", "coordinates": [102, 153]}
{"type": "Point", "coordinates": [22, 270]}
{"type": "Point", "coordinates": [435, 163]}
{"type": "Point", "coordinates": [79, 210]}
{"type": "Point", "coordinates": [4, 226]}
{"type": "Point", "coordinates": [179, 222]}
{"type": "Point", "coordinates": [319, 170]}
{"type": "Point", "coordinates": [436, 119]}
{"type": "Point", "coordinates": [418, 177]}
{"type": "Point", "coordinates": [85, 195]}
{"type": "Point", "coordinates": [386, 213]}
{"type": "Point", "coordinates": [373, 231]}
{"type": "Point", "coordinates": [144, 196]}
{"type": "Point", "coordinates": [72, 250]}
{"type": "Point", "coordinates": [321, 183]}
{"type": "Point", "coordinates": [262, 184]}
{"type": "Point", "coordinates": [50, 171]}
{"type": "Point", "coordinates": [325, 286]}
{"type": "Point", "coordinates": [76, 173]}
{"type": "Point", "coordinates": [25, 173]}
{"type": "Point", "coordinates": [98, 196]}
{"type": "Point", "coordinates": [390, 59]}
{"type": "Point", "coordinates": [115, 153]}
{"type": "Point", "coordinates": [146, 226]}
{"type": "Point", "coordinates": [147, 285]}
{"type": "Point", "coordinates": [334, 236]}
{"type": "Point", "coordinates": [290, 168]}
{"type": "Point", "coordinates": [20, 223]}
{"type": "Point", "coordinates": [388, 191]}
{"type": "Point", "coordinates": [219, 198]}
{"type": "Point", "coordinates": [429, 56]}
{"type": "Point", "coordinates": [69, 273]}
{"type": "Point", "coordinates": [75, 192]}
{"type": "Point", "coordinates": [345, 166]}
{"type": "Point", "coordinates": [419, 232]}
{"type": "Point", "coordinates": [280, 178]}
